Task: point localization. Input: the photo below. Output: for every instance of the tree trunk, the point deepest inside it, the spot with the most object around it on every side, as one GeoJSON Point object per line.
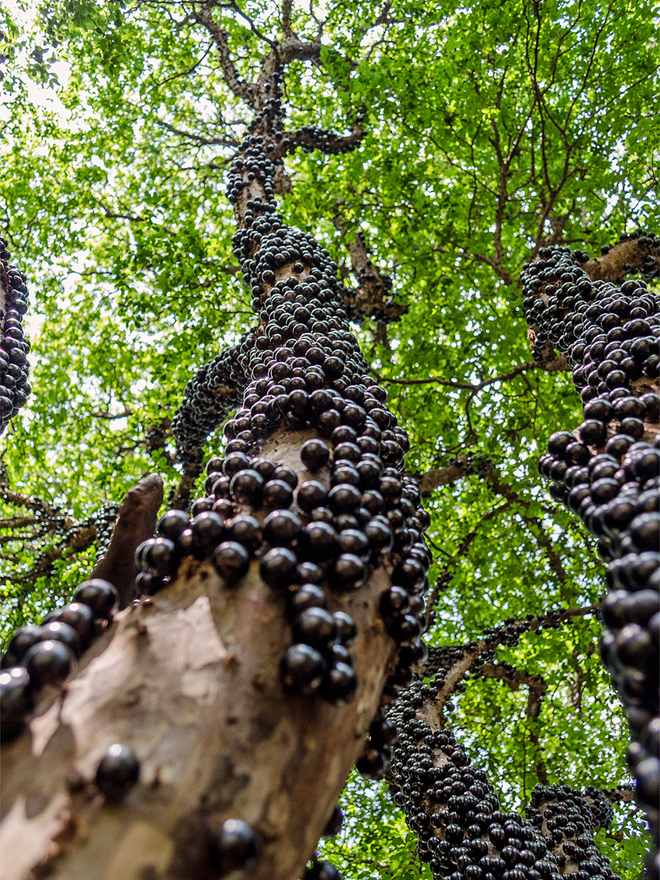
{"type": "Point", "coordinates": [607, 470]}
{"type": "Point", "coordinates": [190, 679]}
{"type": "Point", "coordinates": [452, 806]}
{"type": "Point", "coordinates": [188, 682]}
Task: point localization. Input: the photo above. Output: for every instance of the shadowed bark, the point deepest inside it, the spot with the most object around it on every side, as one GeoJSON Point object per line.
{"type": "Point", "coordinates": [136, 523]}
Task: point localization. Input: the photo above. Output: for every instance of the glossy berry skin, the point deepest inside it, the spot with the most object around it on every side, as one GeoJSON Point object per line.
{"type": "Point", "coordinates": [311, 494]}
{"type": "Point", "coordinates": [20, 643]}
{"type": "Point", "coordinates": [16, 701]}
{"type": "Point", "coordinates": [233, 848]}
{"type": "Point", "coordinates": [157, 555]}
{"type": "Point", "coordinates": [117, 772]}
{"type": "Point", "coordinates": [346, 627]}
{"type": "Point", "coordinates": [78, 616]}
{"type": "Point", "coordinates": [100, 595]}
{"type": "Point", "coordinates": [308, 596]}
{"type": "Point", "coordinates": [340, 684]}
{"type": "Point", "coordinates": [319, 541]}
{"type": "Point", "coordinates": [278, 567]}
{"type": "Point", "coordinates": [349, 572]}
{"type": "Point", "coordinates": [334, 823]}
{"type": "Point", "coordinates": [322, 871]}
{"type": "Point", "coordinates": [277, 494]}
{"type": "Point", "coordinates": [208, 529]}
{"type": "Point", "coordinates": [302, 669]}
{"type": "Point", "coordinates": [281, 527]}
{"type": "Point", "coordinates": [231, 561]}
{"type": "Point", "coordinates": [315, 627]}
{"type": "Point", "coordinates": [49, 663]}
{"type": "Point", "coordinates": [64, 633]}
{"type": "Point", "coordinates": [314, 454]}
{"type": "Point", "coordinates": [246, 486]}
{"type": "Point", "coordinates": [172, 523]}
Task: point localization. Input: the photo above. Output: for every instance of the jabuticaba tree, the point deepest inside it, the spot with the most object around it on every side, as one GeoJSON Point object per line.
{"type": "Point", "coordinates": [211, 726]}
{"type": "Point", "coordinates": [607, 470]}
{"type": "Point", "coordinates": [14, 368]}
{"type": "Point", "coordinates": [454, 809]}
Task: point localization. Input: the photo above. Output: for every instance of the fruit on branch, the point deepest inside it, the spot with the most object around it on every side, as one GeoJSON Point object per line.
{"type": "Point", "coordinates": [41, 657]}
{"type": "Point", "coordinates": [567, 817]}
{"type": "Point", "coordinates": [14, 347]}
{"type": "Point", "coordinates": [452, 807]}
{"type": "Point", "coordinates": [209, 398]}
{"type": "Point", "coordinates": [608, 471]}
{"type": "Point", "coordinates": [306, 520]}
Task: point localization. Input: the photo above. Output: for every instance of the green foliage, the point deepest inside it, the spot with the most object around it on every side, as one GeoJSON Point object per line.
{"type": "Point", "coordinates": [491, 128]}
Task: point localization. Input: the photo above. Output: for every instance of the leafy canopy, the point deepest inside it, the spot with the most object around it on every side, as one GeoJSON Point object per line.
{"type": "Point", "coordinates": [491, 129]}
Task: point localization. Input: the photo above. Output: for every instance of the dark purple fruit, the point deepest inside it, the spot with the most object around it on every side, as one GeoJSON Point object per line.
{"type": "Point", "coordinates": [340, 684]}
{"type": "Point", "coordinates": [64, 633]}
{"type": "Point", "coordinates": [282, 527]}
{"type": "Point", "coordinates": [21, 642]}
{"type": "Point", "coordinates": [208, 530]}
{"type": "Point", "coordinates": [314, 454]}
{"type": "Point", "coordinates": [278, 567]}
{"type": "Point", "coordinates": [346, 627]}
{"type": "Point", "coordinates": [319, 541]}
{"type": "Point", "coordinates": [100, 595]}
{"type": "Point", "coordinates": [302, 669]}
{"type": "Point", "coordinates": [172, 523]}
{"type": "Point", "coordinates": [349, 572]}
{"type": "Point", "coordinates": [16, 701]}
{"type": "Point", "coordinates": [308, 596]}
{"type": "Point", "coordinates": [76, 615]}
{"type": "Point", "coordinates": [277, 494]}
{"type": "Point", "coordinates": [49, 663]}
{"type": "Point", "coordinates": [311, 494]}
{"type": "Point", "coordinates": [315, 627]}
{"type": "Point", "coordinates": [245, 530]}
{"type": "Point", "coordinates": [235, 847]}
{"type": "Point", "coordinates": [231, 561]}
{"type": "Point", "coordinates": [246, 486]}
{"type": "Point", "coordinates": [334, 824]}
{"type": "Point", "coordinates": [117, 772]}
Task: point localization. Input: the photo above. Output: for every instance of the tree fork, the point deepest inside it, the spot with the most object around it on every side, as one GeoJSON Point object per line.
{"type": "Point", "coordinates": [242, 741]}
{"type": "Point", "coordinates": [454, 810]}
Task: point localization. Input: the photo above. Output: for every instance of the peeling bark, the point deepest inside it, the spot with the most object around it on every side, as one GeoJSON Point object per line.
{"type": "Point", "coordinates": [189, 679]}
{"type": "Point", "coordinates": [620, 259]}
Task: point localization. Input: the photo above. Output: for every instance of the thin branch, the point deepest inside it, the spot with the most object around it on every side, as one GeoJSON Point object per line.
{"type": "Point", "coordinates": [239, 87]}
{"type": "Point", "coordinates": [286, 19]}
{"type": "Point", "coordinates": [467, 386]}
{"type": "Point", "coordinates": [198, 139]}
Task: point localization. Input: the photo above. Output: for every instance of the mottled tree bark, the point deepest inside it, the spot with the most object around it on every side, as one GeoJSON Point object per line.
{"type": "Point", "coordinates": [189, 678]}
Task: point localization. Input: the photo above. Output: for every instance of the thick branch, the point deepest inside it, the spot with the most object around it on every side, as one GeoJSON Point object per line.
{"type": "Point", "coordinates": [453, 808]}
{"type": "Point", "coordinates": [286, 19]}
{"type": "Point", "coordinates": [457, 660]}
{"type": "Point", "coordinates": [318, 139]}
{"type": "Point", "coordinates": [437, 477]}
{"type": "Point", "coordinates": [78, 539]}
{"type": "Point", "coordinates": [136, 523]}
{"type": "Point", "coordinates": [553, 365]}
{"type": "Point", "coordinates": [190, 678]}
{"type": "Point", "coordinates": [370, 299]}
{"type": "Point", "coordinates": [537, 690]}
{"type": "Point", "coordinates": [620, 259]}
